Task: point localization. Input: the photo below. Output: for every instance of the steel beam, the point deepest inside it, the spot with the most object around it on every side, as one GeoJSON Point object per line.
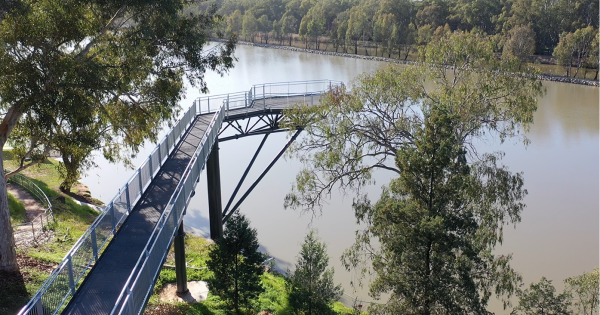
{"type": "Point", "coordinates": [213, 179]}
{"type": "Point", "coordinates": [234, 208]}
{"type": "Point", "coordinates": [237, 188]}
{"type": "Point", "coordinates": [180, 268]}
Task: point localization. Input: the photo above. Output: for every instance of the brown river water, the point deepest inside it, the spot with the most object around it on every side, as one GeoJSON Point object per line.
{"type": "Point", "coordinates": [556, 238]}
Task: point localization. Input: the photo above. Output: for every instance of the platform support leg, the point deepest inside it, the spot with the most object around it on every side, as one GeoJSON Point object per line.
{"type": "Point", "coordinates": [215, 209]}
{"type": "Point", "coordinates": [180, 268]}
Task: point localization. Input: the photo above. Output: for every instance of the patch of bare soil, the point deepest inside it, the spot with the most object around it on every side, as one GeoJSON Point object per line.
{"type": "Point", "coordinates": [162, 309]}
{"type": "Point", "coordinates": [197, 292]}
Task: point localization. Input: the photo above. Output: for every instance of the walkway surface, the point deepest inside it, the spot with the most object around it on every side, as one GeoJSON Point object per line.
{"type": "Point", "coordinates": [101, 288]}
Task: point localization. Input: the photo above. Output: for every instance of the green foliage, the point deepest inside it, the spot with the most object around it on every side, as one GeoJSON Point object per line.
{"type": "Point", "coordinates": [17, 210]}
{"type": "Point", "coordinates": [235, 264]}
{"type": "Point", "coordinates": [521, 43]}
{"type": "Point", "coordinates": [541, 299]}
{"type": "Point", "coordinates": [311, 288]}
{"type": "Point", "coordinates": [584, 288]}
{"type": "Point", "coordinates": [440, 220]}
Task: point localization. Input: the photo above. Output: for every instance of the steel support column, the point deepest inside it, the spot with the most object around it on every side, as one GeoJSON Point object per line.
{"type": "Point", "coordinates": [180, 268]}
{"type": "Point", "coordinates": [213, 179]}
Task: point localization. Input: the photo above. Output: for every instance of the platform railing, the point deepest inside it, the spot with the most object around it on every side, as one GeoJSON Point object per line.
{"type": "Point", "coordinates": [64, 280]}
{"type": "Point", "coordinates": [258, 94]}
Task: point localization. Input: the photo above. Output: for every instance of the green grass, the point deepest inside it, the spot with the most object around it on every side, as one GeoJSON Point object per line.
{"type": "Point", "coordinates": [17, 210]}
{"type": "Point", "coordinates": [71, 221]}
{"type": "Point", "coordinates": [273, 299]}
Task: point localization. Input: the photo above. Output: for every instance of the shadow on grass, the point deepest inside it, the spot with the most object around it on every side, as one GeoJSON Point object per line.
{"type": "Point", "coordinates": [13, 292]}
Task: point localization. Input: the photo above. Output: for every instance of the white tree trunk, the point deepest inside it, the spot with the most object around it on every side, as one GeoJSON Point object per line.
{"type": "Point", "coordinates": [8, 254]}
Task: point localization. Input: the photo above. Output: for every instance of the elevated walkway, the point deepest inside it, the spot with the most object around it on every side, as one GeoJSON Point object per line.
{"type": "Point", "coordinates": [127, 244]}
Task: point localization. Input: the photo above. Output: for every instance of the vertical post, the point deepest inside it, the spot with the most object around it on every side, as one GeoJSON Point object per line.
{"type": "Point", "coordinates": [140, 181]}
{"type": "Point", "coordinates": [151, 168]}
{"type": "Point", "coordinates": [39, 307]}
{"type": "Point", "coordinates": [180, 268]}
{"type": "Point", "coordinates": [127, 197]}
{"type": "Point", "coordinates": [71, 278]}
{"type": "Point", "coordinates": [213, 178]}
{"type": "Point", "coordinates": [94, 244]}
{"type": "Point", "coordinates": [113, 220]}
{"type": "Point", "coordinates": [245, 99]}
{"type": "Point", "coordinates": [264, 98]}
{"type": "Point", "coordinates": [208, 103]}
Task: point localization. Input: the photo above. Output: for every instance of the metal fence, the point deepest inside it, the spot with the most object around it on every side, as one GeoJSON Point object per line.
{"type": "Point", "coordinates": [258, 94]}
{"type": "Point", "coordinates": [141, 281]}
{"type": "Point", "coordinates": [62, 283]}
{"type": "Point", "coordinates": [37, 224]}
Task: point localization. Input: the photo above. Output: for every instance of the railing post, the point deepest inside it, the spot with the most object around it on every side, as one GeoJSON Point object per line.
{"type": "Point", "coordinates": [33, 229]}
{"type": "Point", "coordinates": [245, 99]}
{"type": "Point", "coordinates": [113, 220]}
{"type": "Point", "coordinates": [71, 278]}
{"type": "Point", "coordinates": [130, 301]}
{"type": "Point", "coordinates": [227, 105]}
{"type": "Point", "coordinates": [264, 98]}
{"type": "Point", "coordinates": [140, 180]}
{"type": "Point", "coordinates": [127, 196]}
{"type": "Point", "coordinates": [94, 244]}
{"type": "Point", "coordinates": [159, 156]}
{"type": "Point", "coordinates": [151, 168]}
{"type": "Point", "coordinates": [208, 103]}
{"type": "Point", "coordinates": [39, 307]}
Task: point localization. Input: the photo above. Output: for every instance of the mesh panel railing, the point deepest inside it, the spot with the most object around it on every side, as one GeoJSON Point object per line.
{"type": "Point", "coordinates": [61, 284]}
{"type": "Point", "coordinates": [283, 91]}
{"type": "Point", "coordinates": [141, 281]}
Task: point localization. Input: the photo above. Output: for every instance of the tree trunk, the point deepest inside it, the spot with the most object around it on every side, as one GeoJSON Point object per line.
{"type": "Point", "coordinates": [596, 76]}
{"type": "Point", "coordinates": [356, 47]}
{"type": "Point", "coordinates": [8, 254]}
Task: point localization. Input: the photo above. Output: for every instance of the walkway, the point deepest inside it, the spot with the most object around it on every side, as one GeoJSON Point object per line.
{"type": "Point", "coordinates": [122, 277]}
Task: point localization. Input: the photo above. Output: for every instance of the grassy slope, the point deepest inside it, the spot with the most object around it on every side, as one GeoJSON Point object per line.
{"type": "Point", "coordinates": [72, 220]}
{"type": "Point", "coordinates": [274, 299]}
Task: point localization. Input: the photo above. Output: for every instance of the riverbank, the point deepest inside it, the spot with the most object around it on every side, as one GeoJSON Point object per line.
{"type": "Point", "coordinates": [543, 76]}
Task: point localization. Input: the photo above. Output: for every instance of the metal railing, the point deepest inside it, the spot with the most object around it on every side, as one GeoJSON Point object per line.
{"type": "Point", "coordinates": [140, 283]}
{"type": "Point", "coordinates": [37, 224]}
{"type": "Point", "coordinates": [63, 281]}
{"type": "Point", "coordinates": [258, 94]}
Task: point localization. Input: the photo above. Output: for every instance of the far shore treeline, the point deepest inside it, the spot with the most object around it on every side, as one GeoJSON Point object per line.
{"type": "Point", "coordinates": [563, 32]}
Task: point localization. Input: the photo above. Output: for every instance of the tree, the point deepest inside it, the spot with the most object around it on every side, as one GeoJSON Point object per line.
{"type": "Point", "coordinates": [311, 288]}
{"type": "Point", "coordinates": [541, 299]}
{"type": "Point", "coordinates": [115, 71]}
{"type": "Point", "coordinates": [585, 288]}
{"type": "Point", "coordinates": [564, 52]}
{"type": "Point", "coordinates": [234, 23]}
{"type": "Point", "coordinates": [264, 26]}
{"type": "Point", "coordinates": [433, 226]}
{"type": "Point", "coordinates": [249, 26]}
{"type": "Point", "coordinates": [520, 44]}
{"type": "Point", "coordinates": [235, 263]}
{"type": "Point", "coordinates": [352, 133]}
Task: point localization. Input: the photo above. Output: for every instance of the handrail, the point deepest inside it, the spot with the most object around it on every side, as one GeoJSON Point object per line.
{"type": "Point", "coordinates": [149, 264]}
{"type": "Point", "coordinates": [61, 285]}
{"type": "Point", "coordinates": [39, 194]}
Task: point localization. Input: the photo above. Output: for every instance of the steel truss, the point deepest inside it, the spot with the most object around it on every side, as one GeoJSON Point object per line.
{"type": "Point", "coordinates": [263, 123]}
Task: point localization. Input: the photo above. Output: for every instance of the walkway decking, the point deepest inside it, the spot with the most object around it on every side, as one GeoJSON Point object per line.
{"type": "Point", "coordinates": [103, 285]}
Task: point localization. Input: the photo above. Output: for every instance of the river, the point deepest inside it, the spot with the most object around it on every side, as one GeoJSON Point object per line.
{"type": "Point", "coordinates": [556, 238]}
